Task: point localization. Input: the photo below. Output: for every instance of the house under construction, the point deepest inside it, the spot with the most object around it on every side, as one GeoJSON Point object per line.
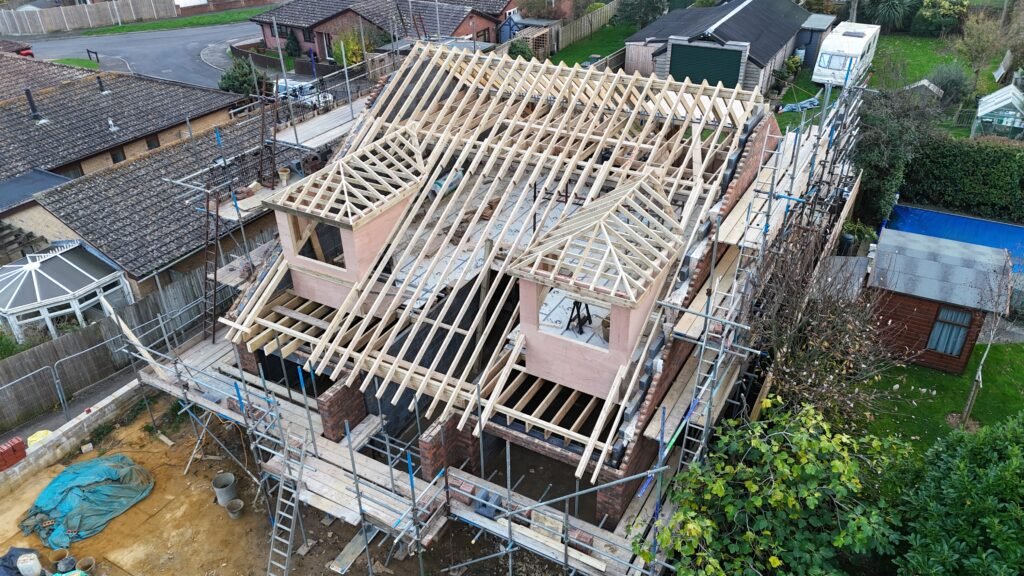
{"type": "Point", "coordinates": [558, 258]}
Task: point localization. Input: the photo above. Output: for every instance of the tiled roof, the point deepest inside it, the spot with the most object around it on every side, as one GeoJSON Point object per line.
{"type": "Point", "coordinates": [12, 46]}
{"type": "Point", "coordinates": [80, 121]}
{"type": "Point", "coordinates": [303, 13]}
{"type": "Point", "coordinates": [18, 73]}
{"type": "Point", "coordinates": [382, 13]}
{"type": "Point", "coordinates": [766, 24]}
{"type": "Point", "coordinates": [137, 218]}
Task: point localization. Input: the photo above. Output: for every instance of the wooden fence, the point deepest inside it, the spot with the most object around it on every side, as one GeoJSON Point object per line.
{"type": "Point", "coordinates": [43, 377]}
{"type": "Point", "coordinates": [82, 16]}
{"type": "Point", "coordinates": [585, 26]}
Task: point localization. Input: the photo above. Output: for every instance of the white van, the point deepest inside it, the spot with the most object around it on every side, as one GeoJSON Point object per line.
{"type": "Point", "coordinates": [846, 53]}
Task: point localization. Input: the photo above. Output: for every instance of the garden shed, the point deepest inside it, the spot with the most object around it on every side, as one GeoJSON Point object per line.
{"type": "Point", "coordinates": [938, 293]}
{"type": "Point", "coordinates": [61, 284]}
{"type": "Point", "coordinates": [1001, 113]}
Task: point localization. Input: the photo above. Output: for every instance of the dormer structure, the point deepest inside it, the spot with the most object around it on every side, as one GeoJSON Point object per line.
{"type": "Point", "coordinates": [596, 274]}
{"type": "Point", "coordinates": [334, 222]}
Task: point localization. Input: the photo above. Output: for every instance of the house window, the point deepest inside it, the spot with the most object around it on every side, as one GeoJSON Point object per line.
{"type": "Point", "coordinates": [152, 141]}
{"type": "Point", "coordinates": [276, 31]}
{"type": "Point", "coordinates": [71, 170]}
{"type": "Point", "coordinates": [950, 331]}
{"type": "Point", "coordinates": [484, 35]}
{"type": "Point", "coordinates": [307, 35]}
{"type": "Point", "coordinates": [117, 155]}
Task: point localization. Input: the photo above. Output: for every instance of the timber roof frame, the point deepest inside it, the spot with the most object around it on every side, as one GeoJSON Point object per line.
{"type": "Point", "coordinates": [510, 141]}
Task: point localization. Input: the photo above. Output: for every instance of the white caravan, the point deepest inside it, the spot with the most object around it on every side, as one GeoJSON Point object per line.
{"type": "Point", "coordinates": [846, 53]}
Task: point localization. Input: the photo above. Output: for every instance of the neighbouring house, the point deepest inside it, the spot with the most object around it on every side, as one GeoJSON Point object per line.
{"type": "Point", "coordinates": [1001, 113]}
{"type": "Point", "coordinates": [738, 43]}
{"type": "Point", "coordinates": [61, 285]}
{"type": "Point", "coordinates": [317, 24]}
{"type": "Point", "coordinates": [938, 293]}
{"type": "Point", "coordinates": [59, 123]}
{"type": "Point", "coordinates": [136, 216]}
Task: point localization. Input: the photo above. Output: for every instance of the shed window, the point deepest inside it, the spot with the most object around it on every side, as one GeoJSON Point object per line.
{"type": "Point", "coordinates": [152, 141]}
{"type": "Point", "coordinates": [950, 331]}
{"type": "Point", "coordinates": [117, 155]}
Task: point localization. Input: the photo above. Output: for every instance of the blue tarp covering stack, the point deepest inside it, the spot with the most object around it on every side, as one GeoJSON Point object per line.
{"type": "Point", "coordinates": [85, 497]}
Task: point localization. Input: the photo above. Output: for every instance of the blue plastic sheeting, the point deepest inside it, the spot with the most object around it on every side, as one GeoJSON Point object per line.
{"type": "Point", "coordinates": [9, 561]}
{"type": "Point", "coordinates": [84, 498]}
{"type": "Point", "coordinates": [802, 105]}
{"type": "Point", "coordinates": [963, 229]}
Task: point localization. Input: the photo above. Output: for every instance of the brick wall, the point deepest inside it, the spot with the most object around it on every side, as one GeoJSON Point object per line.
{"type": "Point", "coordinates": [338, 404]}
{"type": "Point", "coordinates": [12, 452]}
{"type": "Point", "coordinates": [442, 444]}
{"type": "Point", "coordinates": [747, 168]}
{"type": "Point", "coordinates": [915, 318]}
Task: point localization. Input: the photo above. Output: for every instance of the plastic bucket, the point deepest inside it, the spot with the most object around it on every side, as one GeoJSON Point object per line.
{"type": "Point", "coordinates": [224, 488]}
{"type": "Point", "coordinates": [28, 565]}
{"type": "Point", "coordinates": [85, 564]}
{"type": "Point", "coordinates": [235, 509]}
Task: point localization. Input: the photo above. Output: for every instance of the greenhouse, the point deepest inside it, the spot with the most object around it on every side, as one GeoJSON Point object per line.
{"type": "Point", "coordinates": [1001, 113]}
{"type": "Point", "coordinates": [58, 288]}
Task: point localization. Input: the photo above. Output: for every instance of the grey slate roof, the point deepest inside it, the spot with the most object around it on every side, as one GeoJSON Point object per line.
{"type": "Point", "coordinates": [767, 25]}
{"type": "Point", "coordinates": [382, 13]}
{"type": "Point", "coordinates": [135, 217]}
{"type": "Point", "coordinates": [77, 117]}
{"type": "Point", "coordinates": [942, 270]}
{"type": "Point", "coordinates": [18, 190]}
{"type": "Point", "coordinates": [18, 73]}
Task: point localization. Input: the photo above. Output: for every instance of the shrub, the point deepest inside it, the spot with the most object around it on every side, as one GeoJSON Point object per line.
{"type": "Point", "coordinates": [954, 81]}
{"type": "Point", "coordinates": [890, 14]}
{"type": "Point", "coordinates": [793, 64]}
{"type": "Point", "coordinates": [292, 47]}
{"type": "Point", "coordinates": [931, 23]}
{"type": "Point", "coordinates": [782, 495]}
{"type": "Point", "coordinates": [520, 49]}
{"type": "Point", "coordinates": [594, 7]}
{"type": "Point", "coordinates": [962, 512]}
{"type": "Point", "coordinates": [239, 77]}
{"type": "Point", "coordinates": [982, 177]}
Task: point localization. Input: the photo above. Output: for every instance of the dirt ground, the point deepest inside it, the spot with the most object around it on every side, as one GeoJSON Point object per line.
{"type": "Point", "coordinates": [179, 529]}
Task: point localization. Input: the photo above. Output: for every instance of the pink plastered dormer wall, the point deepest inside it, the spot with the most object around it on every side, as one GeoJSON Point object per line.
{"type": "Point", "coordinates": [574, 364]}
{"type": "Point", "coordinates": [326, 283]}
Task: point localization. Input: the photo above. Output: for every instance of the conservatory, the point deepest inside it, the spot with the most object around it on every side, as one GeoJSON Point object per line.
{"type": "Point", "coordinates": [1001, 113]}
{"type": "Point", "coordinates": [58, 288]}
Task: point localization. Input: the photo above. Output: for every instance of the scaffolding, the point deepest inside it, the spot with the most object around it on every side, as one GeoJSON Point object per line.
{"type": "Point", "coordinates": [374, 480]}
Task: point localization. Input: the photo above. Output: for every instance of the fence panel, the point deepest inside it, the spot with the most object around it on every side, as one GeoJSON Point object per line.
{"type": "Point", "coordinates": [83, 16]}
{"type": "Point", "coordinates": [584, 26]}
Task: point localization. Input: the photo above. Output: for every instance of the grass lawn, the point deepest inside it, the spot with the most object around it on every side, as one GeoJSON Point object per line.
{"type": "Point", "coordinates": [79, 62]}
{"type": "Point", "coordinates": [603, 42]}
{"type": "Point", "coordinates": [802, 89]}
{"type": "Point", "coordinates": [211, 19]}
{"type": "Point", "coordinates": [909, 57]}
{"type": "Point", "coordinates": [920, 417]}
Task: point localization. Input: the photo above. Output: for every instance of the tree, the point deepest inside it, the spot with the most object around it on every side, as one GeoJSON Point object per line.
{"type": "Point", "coordinates": [520, 49]}
{"type": "Point", "coordinates": [954, 82]}
{"type": "Point", "coordinates": [241, 77]}
{"type": "Point", "coordinates": [893, 125]}
{"type": "Point", "coordinates": [826, 343]}
{"type": "Point", "coordinates": [982, 41]}
{"type": "Point", "coordinates": [540, 9]}
{"type": "Point", "coordinates": [961, 511]}
{"type": "Point", "coordinates": [890, 14]}
{"type": "Point", "coordinates": [353, 52]}
{"type": "Point", "coordinates": [642, 12]}
{"type": "Point", "coordinates": [782, 495]}
{"type": "Point", "coordinates": [292, 47]}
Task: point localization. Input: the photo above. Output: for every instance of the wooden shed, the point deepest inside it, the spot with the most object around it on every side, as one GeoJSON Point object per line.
{"type": "Point", "coordinates": [939, 293]}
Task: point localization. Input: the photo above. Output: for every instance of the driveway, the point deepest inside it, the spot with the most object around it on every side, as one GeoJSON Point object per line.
{"type": "Point", "coordinates": [169, 54]}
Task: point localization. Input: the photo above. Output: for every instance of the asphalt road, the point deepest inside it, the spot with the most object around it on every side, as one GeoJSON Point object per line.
{"type": "Point", "coordinates": [170, 54]}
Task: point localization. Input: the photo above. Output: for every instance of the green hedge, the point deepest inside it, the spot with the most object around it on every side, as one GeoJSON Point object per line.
{"type": "Point", "coordinates": [983, 177]}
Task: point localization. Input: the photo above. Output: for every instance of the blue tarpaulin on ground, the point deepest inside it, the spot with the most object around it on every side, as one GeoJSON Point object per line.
{"type": "Point", "coordinates": [961, 228]}
{"type": "Point", "coordinates": [802, 105]}
{"type": "Point", "coordinates": [85, 497]}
